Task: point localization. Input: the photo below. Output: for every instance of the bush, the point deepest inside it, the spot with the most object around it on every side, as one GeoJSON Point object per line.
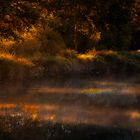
{"type": "Point", "coordinates": [51, 42]}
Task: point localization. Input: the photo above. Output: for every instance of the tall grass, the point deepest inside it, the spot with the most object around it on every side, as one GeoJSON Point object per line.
{"type": "Point", "coordinates": [13, 67]}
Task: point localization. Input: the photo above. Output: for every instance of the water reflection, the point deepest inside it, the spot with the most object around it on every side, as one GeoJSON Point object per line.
{"type": "Point", "coordinates": [76, 114]}
{"type": "Point", "coordinates": [103, 103]}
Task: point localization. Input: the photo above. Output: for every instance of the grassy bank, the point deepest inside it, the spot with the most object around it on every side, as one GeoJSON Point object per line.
{"type": "Point", "coordinates": [93, 63]}
{"type": "Point", "coordinates": [111, 62]}
{"type": "Point", "coordinates": [13, 67]}
{"type": "Point", "coordinates": [15, 127]}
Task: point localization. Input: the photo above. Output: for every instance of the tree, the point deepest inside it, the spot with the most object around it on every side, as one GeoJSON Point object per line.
{"type": "Point", "coordinates": [97, 22]}
{"type": "Point", "coordinates": [16, 16]}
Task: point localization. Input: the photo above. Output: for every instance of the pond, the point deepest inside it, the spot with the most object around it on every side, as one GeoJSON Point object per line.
{"type": "Point", "coordinates": [101, 102]}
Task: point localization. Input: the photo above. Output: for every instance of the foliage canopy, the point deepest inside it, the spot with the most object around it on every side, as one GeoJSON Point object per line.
{"type": "Point", "coordinates": [83, 24]}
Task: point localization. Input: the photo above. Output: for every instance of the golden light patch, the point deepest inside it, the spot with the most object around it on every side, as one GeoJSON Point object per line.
{"type": "Point", "coordinates": [7, 42]}
{"type": "Point", "coordinates": [135, 115]}
{"type": "Point", "coordinates": [29, 35]}
{"type": "Point", "coordinates": [96, 36]}
{"type": "Point", "coordinates": [91, 90]}
{"type": "Point", "coordinates": [30, 108]}
{"type": "Point", "coordinates": [34, 116]}
{"type": "Point", "coordinates": [16, 59]}
{"type": "Point", "coordinates": [85, 56]}
{"type": "Point", "coordinates": [7, 106]}
{"type": "Point", "coordinates": [50, 117]}
{"type": "Point", "coordinates": [94, 90]}
{"type": "Point", "coordinates": [25, 61]}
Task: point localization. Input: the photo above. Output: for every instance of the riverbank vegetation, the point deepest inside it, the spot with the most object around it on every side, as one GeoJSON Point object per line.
{"type": "Point", "coordinates": [69, 62]}
{"type": "Point", "coordinates": [53, 38]}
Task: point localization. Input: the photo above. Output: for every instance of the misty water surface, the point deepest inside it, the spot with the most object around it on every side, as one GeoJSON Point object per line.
{"type": "Point", "coordinates": [103, 102]}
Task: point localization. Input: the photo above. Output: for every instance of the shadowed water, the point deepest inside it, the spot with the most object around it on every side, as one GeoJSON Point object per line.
{"type": "Point", "coordinates": [99, 102]}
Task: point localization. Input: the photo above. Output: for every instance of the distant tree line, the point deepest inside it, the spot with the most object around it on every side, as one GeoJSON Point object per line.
{"type": "Point", "coordinates": [83, 24]}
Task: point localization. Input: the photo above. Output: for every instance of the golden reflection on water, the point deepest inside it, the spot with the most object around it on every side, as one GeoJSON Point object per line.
{"type": "Point", "coordinates": [76, 114]}
{"type": "Point", "coordinates": [54, 90]}
{"type": "Point", "coordinates": [7, 106]}
{"type": "Point", "coordinates": [29, 108]}
{"type": "Point", "coordinates": [134, 114]}
{"type": "Point", "coordinates": [74, 105]}
{"type": "Point", "coordinates": [34, 116]}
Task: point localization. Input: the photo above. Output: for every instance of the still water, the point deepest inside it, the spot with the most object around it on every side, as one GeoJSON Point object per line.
{"type": "Point", "coordinates": [102, 102]}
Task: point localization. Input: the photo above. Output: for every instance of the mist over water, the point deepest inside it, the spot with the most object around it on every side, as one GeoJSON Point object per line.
{"type": "Point", "coordinates": [102, 102]}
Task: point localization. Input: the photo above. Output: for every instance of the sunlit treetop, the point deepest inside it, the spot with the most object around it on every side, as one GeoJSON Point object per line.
{"type": "Point", "coordinates": [84, 17]}
{"type": "Point", "coordinates": [16, 16]}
